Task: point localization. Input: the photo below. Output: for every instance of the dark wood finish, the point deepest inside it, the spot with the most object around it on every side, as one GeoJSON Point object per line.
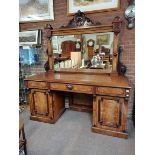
{"type": "Point", "coordinates": [79, 19]}
{"type": "Point", "coordinates": [48, 34]}
{"type": "Point", "coordinates": [85, 71]}
{"type": "Point", "coordinates": [67, 47]}
{"type": "Point", "coordinates": [45, 105]}
{"type": "Point", "coordinates": [104, 80]}
{"type": "Point", "coordinates": [116, 24]}
{"type": "Point", "coordinates": [90, 52]}
{"type": "Point", "coordinates": [58, 104]}
{"type": "Point", "coordinates": [33, 84]}
{"type": "Point", "coordinates": [110, 101]}
{"type": "Point", "coordinates": [110, 132]}
{"type": "Point", "coordinates": [81, 102]}
{"type": "Point", "coordinates": [109, 91]}
{"type": "Point", "coordinates": [41, 104]}
{"type": "Point", "coordinates": [76, 30]}
{"type": "Point", "coordinates": [121, 67]}
{"type": "Point", "coordinates": [110, 114]}
{"type": "Point", "coordinates": [72, 88]}
{"type": "Point", "coordinates": [82, 30]}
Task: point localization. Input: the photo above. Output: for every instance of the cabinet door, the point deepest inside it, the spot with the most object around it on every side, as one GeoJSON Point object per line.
{"type": "Point", "coordinates": [108, 112]}
{"type": "Point", "coordinates": [41, 103]}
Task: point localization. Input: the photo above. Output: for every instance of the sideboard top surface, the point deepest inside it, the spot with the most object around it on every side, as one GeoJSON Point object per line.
{"type": "Point", "coordinates": [84, 79]}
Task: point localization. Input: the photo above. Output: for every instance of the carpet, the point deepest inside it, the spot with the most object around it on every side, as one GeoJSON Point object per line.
{"type": "Point", "coordinates": [71, 135]}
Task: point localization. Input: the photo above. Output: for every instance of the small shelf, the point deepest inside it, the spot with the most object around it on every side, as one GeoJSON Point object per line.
{"type": "Point", "coordinates": [81, 108]}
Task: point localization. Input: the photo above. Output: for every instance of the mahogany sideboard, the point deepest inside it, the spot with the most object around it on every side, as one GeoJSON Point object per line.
{"type": "Point", "coordinates": [110, 98]}
{"type": "Point", "coordinates": [107, 89]}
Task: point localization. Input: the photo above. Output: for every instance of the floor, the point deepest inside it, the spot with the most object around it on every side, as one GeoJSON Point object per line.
{"type": "Point", "coordinates": [71, 135]}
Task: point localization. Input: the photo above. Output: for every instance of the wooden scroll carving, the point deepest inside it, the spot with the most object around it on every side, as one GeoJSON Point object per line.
{"type": "Point", "coordinates": [48, 32]}
{"type": "Point", "coordinates": [80, 19]}
{"type": "Point", "coordinates": [116, 25]}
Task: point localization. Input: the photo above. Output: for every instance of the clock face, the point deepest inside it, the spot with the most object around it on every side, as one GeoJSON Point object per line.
{"type": "Point", "coordinates": [90, 43]}
{"type": "Point", "coordinates": [130, 11]}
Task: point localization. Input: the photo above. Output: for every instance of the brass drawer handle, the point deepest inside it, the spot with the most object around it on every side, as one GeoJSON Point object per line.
{"type": "Point", "coordinates": [69, 86]}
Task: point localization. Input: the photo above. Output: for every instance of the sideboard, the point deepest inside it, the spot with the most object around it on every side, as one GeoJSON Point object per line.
{"type": "Point", "coordinates": [99, 75]}
{"type": "Point", "coordinates": [110, 99]}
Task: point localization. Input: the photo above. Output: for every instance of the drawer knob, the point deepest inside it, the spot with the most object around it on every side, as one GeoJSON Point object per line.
{"type": "Point", "coordinates": [127, 91]}
{"type": "Point", "coordinates": [69, 86]}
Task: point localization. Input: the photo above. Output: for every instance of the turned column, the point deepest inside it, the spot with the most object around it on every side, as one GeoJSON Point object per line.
{"type": "Point", "coordinates": [48, 34]}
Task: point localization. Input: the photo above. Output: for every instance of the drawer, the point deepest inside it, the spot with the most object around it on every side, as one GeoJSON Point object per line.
{"type": "Point", "coordinates": [72, 88]}
{"type": "Point", "coordinates": [34, 84]}
{"type": "Point", "coordinates": [110, 91]}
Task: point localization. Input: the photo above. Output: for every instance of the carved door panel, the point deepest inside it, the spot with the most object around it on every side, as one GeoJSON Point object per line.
{"type": "Point", "coordinates": [41, 103]}
{"type": "Point", "coordinates": [108, 111]}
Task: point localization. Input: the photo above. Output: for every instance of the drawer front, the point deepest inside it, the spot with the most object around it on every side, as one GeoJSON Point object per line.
{"type": "Point", "coordinates": [72, 88]}
{"type": "Point", "coordinates": [110, 91]}
{"type": "Point", "coordinates": [33, 84]}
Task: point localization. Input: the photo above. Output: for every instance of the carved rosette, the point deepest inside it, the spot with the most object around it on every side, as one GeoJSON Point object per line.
{"type": "Point", "coordinates": [116, 24]}
{"type": "Point", "coordinates": [48, 32]}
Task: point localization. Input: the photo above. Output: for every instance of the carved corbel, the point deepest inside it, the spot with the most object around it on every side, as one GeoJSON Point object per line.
{"type": "Point", "coordinates": [121, 67]}
{"type": "Point", "coordinates": [48, 32]}
{"type": "Point", "coordinates": [116, 25]}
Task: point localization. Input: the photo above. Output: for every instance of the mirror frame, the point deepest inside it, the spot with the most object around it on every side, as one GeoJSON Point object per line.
{"type": "Point", "coordinates": [114, 27]}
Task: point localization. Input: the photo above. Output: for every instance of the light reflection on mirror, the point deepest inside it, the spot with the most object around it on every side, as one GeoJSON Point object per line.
{"type": "Point", "coordinates": [86, 51]}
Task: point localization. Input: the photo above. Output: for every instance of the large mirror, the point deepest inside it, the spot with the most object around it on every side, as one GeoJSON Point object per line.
{"type": "Point", "coordinates": [83, 51]}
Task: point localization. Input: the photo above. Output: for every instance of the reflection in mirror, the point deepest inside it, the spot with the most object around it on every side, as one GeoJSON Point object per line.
{"type": "Point", "coordinates": [86, 51]}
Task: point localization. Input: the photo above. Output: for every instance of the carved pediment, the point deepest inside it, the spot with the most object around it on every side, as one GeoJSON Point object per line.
{"type": "Point", "coordinates": [80, 20]}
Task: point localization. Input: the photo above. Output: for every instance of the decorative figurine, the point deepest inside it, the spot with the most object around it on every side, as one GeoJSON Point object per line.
{"type": "Point", "coordinates": [130, 14]}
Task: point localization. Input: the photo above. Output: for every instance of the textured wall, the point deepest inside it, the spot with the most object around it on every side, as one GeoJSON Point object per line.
{"type": "Point", "coordinates": [127, 39]}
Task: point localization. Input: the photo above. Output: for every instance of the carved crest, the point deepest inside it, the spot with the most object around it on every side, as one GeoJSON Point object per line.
{"type": "Point", "coordinates": [80, 19]}
{"type": "Point", "coordinates": [116, 24]}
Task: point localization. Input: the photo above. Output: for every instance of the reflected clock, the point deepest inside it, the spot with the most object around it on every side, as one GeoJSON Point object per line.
{"type": "Point", "coordinates": [90, 45]}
